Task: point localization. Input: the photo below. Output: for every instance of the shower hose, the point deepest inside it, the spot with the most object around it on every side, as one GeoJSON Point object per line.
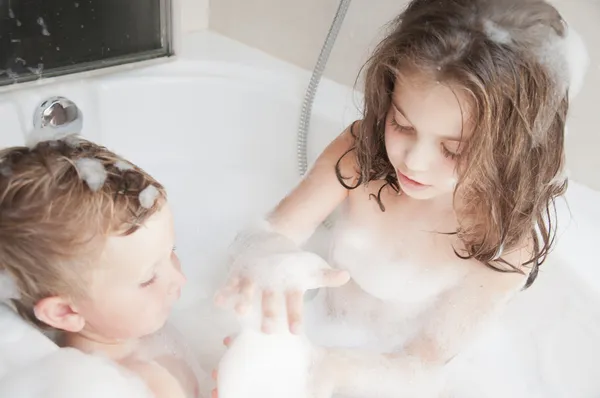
{"type": "Point", "coordinates": [309, 97]}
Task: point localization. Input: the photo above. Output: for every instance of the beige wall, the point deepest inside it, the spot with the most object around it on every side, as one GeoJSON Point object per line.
{"type": "Point", "coordinates": [294, 30]}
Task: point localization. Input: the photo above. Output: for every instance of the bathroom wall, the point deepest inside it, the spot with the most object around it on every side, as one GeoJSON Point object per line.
{"type": "Point", "coordinates": [295, 30]}
{"type": "Point", "coordinates": [192, 14]}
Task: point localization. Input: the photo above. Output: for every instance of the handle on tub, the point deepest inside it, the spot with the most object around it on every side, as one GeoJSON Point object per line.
{"type": "Point", "coordinates": [58, 113]}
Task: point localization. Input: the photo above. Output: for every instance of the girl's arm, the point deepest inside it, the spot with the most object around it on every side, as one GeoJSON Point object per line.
{"type": "Point", "coordinates": [273, 248]}
{"type": "Point", "coordinates": [299, 214]}
{"type": "Point", "coordinates": [458, 318]}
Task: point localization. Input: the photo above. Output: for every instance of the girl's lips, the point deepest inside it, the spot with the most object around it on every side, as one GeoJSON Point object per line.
{"type": "Point", "coordinates": [407, 181]}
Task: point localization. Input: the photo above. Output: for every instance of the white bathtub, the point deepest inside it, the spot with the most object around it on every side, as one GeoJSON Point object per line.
{"type": "Point", "coordinates": [218, 128]}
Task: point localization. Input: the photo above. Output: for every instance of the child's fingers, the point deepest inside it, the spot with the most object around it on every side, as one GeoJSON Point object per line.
{"type": "Point", "coordinates": [246, 290]}
{"type": "Point", "coordinates": [214, 374]}
{"type": "Point", "coordinates": [334, 277]}
{"type": "Point", "coordinates": [231, 288]}
{"type": "Point", "coordinates": [294, 301]}
{"type": "Point", "coordinates": [214, 394]}
{"type": "Point", "coordinates": [325, 276]}
{"type": "Point", "coordinates": [269, 310]}
{"type": "Point", "coordinates": [227, 341]}
{"type": "Point", "coordinates": [232, 284]}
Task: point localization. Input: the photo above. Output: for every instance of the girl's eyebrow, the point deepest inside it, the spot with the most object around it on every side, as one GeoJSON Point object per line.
{"type": "Point", "coordinates": [445, 137]}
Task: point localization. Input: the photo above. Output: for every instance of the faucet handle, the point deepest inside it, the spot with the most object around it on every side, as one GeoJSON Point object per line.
{"type": "Point", "coordinates": [60, 114]}
{"type": "Point", "coordinates": [54, 119]}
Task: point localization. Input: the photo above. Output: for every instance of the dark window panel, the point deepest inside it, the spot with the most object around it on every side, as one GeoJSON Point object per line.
{"type": "Point", "coordinates": [54, 37]}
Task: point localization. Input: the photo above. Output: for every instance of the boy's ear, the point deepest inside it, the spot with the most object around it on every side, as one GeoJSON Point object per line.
{"type": "Point", "coordinates": [59, 313]}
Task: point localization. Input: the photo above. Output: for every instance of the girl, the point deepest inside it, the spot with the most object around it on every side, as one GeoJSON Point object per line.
{"type": "Point", "coordinates": [446, 189]}
{"type": "Point", "coordinates": [88, 240]}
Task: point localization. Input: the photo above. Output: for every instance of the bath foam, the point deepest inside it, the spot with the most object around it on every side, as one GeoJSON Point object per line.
{"type": "Point", "coordinates": [123, 165]}
{"type": "Point", "coordinates": [40, 135]}
{"type": "Point", "coordinates": [68, 373]}
{"type": "Point", "coordinates": [148, 196]}
{"type": "Point", "coordinates": [92, 171]}
{"type": "Point", "coordinates": [496, 33]}
{"type": "Point", "coordinates": [169, 349]}
{"type": "Point", "coordinates": [73, 141]}
{"type": "Point", "coordinates": [275, 261]}
{"type": "Point", "coordinates": [279, 364]}
{"type": "Point", "coordinates": [266, 365]}
{"type": "Point", "coordinates": [5, 170]}
{"type": "Point", "coordinates": [578, 59]}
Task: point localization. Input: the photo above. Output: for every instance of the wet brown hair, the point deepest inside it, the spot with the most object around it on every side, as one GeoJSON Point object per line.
{"type": "Point", "coordinates": [510, 168]}
{"type": "Point", "coordinates": [53, 225]}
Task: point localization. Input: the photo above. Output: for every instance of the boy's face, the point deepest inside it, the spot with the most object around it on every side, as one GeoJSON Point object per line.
{"type": "Point", "coordinates": [136, 283]}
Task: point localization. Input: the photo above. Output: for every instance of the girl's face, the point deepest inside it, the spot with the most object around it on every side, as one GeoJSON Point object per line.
{"type": "Point", "coordinates": [425, 126]}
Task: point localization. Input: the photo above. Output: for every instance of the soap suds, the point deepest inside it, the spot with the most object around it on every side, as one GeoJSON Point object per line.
{"type": "Point", "coordinates": [578, 61]}
{"type": "Point", "coordinates": [73, 141]}
{"type": "Point", "coordinates": [496, 33]}
{"type": "Point", "coordinates": [123, 165]}
{"type": "Point", "coordinates": [5, 170]}
{"type": "Point", "coordinates": [92, 171]}
{"type": "Point", "coordinates": [148, 196]}
{"type": "Point", "coordinates": [48, 134]}
{"type": "Point", "coordinates": [69, 373]}
{"type": "Point", "coordinates": [267, 366]}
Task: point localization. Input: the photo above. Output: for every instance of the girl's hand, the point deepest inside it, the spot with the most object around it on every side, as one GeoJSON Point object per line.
{"type": "Point", "coordinates": [280, 276]}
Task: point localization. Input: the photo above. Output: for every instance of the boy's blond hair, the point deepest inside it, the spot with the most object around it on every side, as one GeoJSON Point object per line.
{"type": "Point", "coordinates": [55, 214]}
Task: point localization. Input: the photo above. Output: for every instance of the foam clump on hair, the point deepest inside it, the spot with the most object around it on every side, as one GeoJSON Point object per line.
{"type": "Point", "coordinates": [123, 165]}
{"type": "Point", "coordinates": [42, 135]}
{"type": "Point", "coordinates": [73, 141]}
{"type": "Point", "coordinates": [567, 59]}
{"type": "Point", "coordinates": [5, 170]}
{"type": "Point", "coordinates": [92, 171]}
{"type": "Point", "coordinates": [578, 61]}
{"type": "Point", "coordinates": [496, 33]}
{"type": "Point", "coordinates": [68, 373]}
{"type": "Point", "coordinates": [148, 196]}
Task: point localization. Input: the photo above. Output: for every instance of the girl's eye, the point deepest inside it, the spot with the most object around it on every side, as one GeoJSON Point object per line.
{"type": "Point", "coordinates": [448, 154]}
{"type": "Point", "coordinates": [398, 127]}
{"type": "Point", "coordinates": [149, 282]}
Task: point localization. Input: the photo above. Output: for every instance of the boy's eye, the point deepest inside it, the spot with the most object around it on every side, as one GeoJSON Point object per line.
{"type": "Point", "coordinates": [149, 282]}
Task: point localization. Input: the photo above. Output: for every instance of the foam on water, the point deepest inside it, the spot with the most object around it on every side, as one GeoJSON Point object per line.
{"type": "Point", "coordinates": [68, 373]}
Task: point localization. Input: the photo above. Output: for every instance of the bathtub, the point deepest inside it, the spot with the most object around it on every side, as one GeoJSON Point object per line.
{"type": "Point", "coordinates": [217, 126]}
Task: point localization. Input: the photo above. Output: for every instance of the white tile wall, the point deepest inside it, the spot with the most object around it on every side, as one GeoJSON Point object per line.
{"type": "Point", "coordinates": [11, 132]}
{"type": "Point", "coordinates": [17, 109]}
